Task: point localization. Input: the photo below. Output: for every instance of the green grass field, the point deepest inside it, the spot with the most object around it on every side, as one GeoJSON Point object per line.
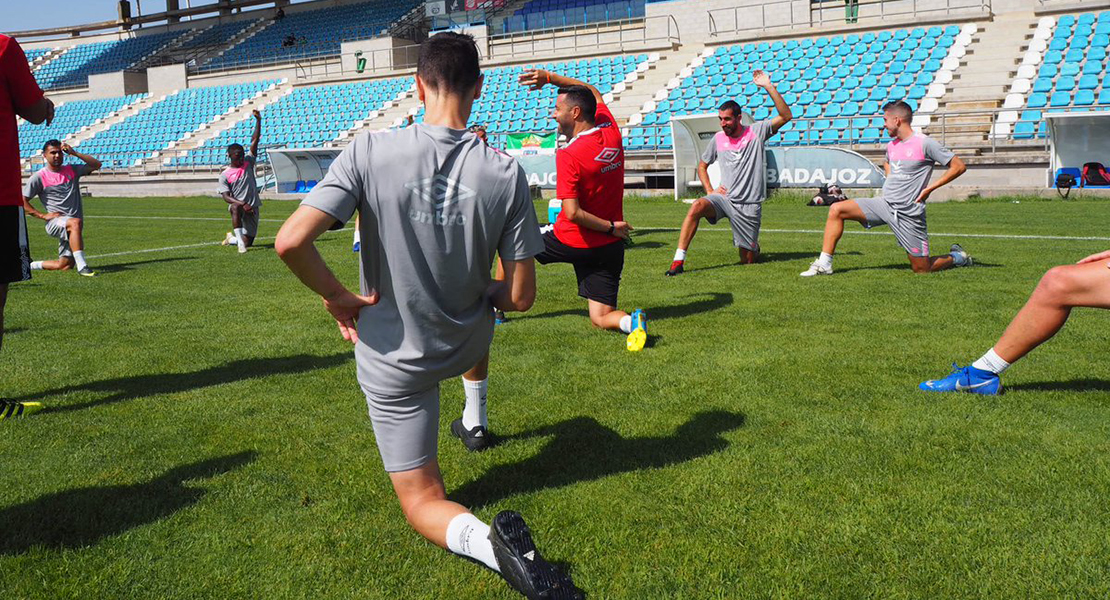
{"type": "Point", "coordinates": [205, 437]}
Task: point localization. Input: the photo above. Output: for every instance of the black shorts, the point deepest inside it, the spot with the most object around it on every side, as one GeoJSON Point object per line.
{"type": "Point", "coordinates": [15, 257]}
{"type": "Point", "coordinates": [598, 269]}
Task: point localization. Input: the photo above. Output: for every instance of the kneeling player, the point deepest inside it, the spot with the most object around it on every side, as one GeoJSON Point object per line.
{"type": "Point", "coordinates": [740, 149]}
{"type": "Point", "coordinates": [1086, 284]}
{"type": "Point", "coordinates": [239, 189]}
{"type": "Point", "coordinates": [58, 187]}
{"type": "Point", "coordinates": [438, 205]}
{"type": "Point", "coordinates": [909, 163]}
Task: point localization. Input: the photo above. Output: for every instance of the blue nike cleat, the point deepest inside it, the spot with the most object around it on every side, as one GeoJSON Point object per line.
{"type": "Point", "coordinates": [356, 246]}
{"type": "Point", "coordinates": [966, 379]}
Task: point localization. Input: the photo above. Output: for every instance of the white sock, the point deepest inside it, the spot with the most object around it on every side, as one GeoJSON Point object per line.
{"type": "Point", "coordinates": [358, 236]}
{"type": "Point", "coordinates": [79, 258]}
{"type": "Point", "coordinates": [992, 362]}
{"type": "Point", "coordinates": [825, 259]}
{"type": "Point", "coordinates": [468, 536]}
{"type": "Point", "coordinates": [680, 254]}
{"type": "Point", "coordinates": [36, 265]}
{"type": "Point", "coordinates": [474, 412]}
{"type": "Point", "coordinates": [239, 233]}
{"type": "Point", "coordinates": [626, 323]}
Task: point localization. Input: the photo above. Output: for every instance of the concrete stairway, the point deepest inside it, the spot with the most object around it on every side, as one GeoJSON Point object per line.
{"type": "Point", "coordinates": [244, 35]}
{"type": "Point", "coordinates": [161, 56]}
{"type": "Point", "coordinates": [405, 104]}
{"type": "Point", "coordinates": [984, 76]}
{"type": "Point", "coordinates": [49, 56]}
{"type": "Point", "coordinates": [100, 125]}
{"type": "Point", "coordinates": [670, 63]}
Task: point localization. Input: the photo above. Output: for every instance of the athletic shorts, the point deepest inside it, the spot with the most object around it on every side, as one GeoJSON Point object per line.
{"type": "Point", "coordinates": [744, 218]}
{"type": "Point", "coordinates": [56, 227]}
{"type": "Point", "coordinates": [405, 427]}
{"type": "Point", "coordinates": [910, 231]}
{"type": "Point", "coordinates": [249, 220]}
{"type": "Point", "coordinates": [598, 269]}
{"type": "Point", "coordinates": [15, 256]}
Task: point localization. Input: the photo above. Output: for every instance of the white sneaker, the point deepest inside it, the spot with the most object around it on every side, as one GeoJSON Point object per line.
{"type": "Point", "coordinates": [229, 239]}
{"type": "Point", "coordinates": [242, 249]}
{"type": "Point", "coordinates": [816, 268]}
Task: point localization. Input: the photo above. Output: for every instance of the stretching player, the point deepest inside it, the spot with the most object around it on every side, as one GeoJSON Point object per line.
{"type": "Point", "coordinates": [590, 231]}
{"type": "Point", "coordinates": [743, 178]}
{"type": "Point", "coordinates": [438, 204]}
{"type": "Point", "coordinates": [909, 163]}
{"type": "Point", "coordinates": [240, 191]}
{"type": "Point", "coordinates": [1086, 284]}
{"type": "Point", "coordinates": [58, 187]}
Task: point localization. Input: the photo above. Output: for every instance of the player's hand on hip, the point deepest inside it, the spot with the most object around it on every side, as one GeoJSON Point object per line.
{"type": "Point", "coordinates": [924, 196]}
{"type": "Point", "coordinates": [345, 307]}
{"type": "Point", "coordinates": [1096, 257]}
{"type": "Point", "coordinates": [621, 229]}
{"type": "Point", "coordinates": [721, 190]}
{"type": "Point", "coordinates": [247, 208]}
{"type": "Point", "coordinates": [535, 78]}
{"type": "Point", "coordinates": [51, 216]}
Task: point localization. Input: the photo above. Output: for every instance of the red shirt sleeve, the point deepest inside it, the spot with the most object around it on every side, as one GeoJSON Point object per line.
{"type": "Point", "coordinates": [15, 75]}
{"type": "Point", "coordinates": [566, 167]}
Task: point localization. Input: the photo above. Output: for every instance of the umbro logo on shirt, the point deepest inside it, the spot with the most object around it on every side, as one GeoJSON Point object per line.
{"type": "Point", "coordinates": [608, 155]}
{"type": "Point", "coordinates": [441, 192]}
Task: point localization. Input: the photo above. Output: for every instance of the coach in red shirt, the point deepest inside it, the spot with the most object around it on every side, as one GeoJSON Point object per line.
{"type": "Point", "coordinates": [19, 95]}
{"type": "Point", "coordinates": [590, 230]}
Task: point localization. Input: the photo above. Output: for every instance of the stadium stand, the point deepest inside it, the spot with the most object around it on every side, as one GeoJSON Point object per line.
{"type": "Point", "coordinates": [1063, 70]}
{"type": "Point", "coordinates": [506, 107]}
{"type": "Point", "coordinates": [167, 121]}
{"type": "Point", "coordinates": [304, 118]}
{"type": "Point", "coordinates": [831, 105]}
{"type": "Point", "coordinates": [72, 68]}
{"type": "Point", "coordinates": [313, 33]}
{"type": "Point", "coordinates": [34, 54]}
{"type": "Point", "coordinates": [69, 118]}
{"type": "Point", "coordinates": [549, 14]}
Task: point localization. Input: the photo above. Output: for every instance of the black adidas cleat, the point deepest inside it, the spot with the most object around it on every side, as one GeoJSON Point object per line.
{"type": "Point", "coordinates": [521, 564]}
{"type": "Point", "coordinates": [475, 440]}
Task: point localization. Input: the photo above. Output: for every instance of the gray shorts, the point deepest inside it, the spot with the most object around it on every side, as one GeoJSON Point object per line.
{"type": "Point", "coordinates": [249, 220]}
{"type": "Point", "coordinates": [56, 227]}
{"type": "Point", "coordinates": [910, 231]}
{"type": "Point", "coordinates": [405, 427]}
{"type": "Point", "coordinates": [744, 218]}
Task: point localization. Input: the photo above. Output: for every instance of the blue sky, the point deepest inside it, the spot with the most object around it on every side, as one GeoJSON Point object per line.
{"type": "Point", "coordinates": [19, 15]}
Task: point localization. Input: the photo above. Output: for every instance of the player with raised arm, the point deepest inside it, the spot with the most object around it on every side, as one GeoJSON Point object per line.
{"type": "Point", "coordinates": [435, 206]}
{"type": "Point", "coordinates": [910, 157]}
{"type": "Point", "coordinates": [741, 151]}
{"type": "Point", "coordinates": [590, 230]}
{"type": "Point", "coordinates": [238, 188]}
{"type": "Point", "coordinates": [19, 95]}
{"type": "Point", "coordinates": [58, 187]}
{"type": "Point", "coordinates": [1085, 284]}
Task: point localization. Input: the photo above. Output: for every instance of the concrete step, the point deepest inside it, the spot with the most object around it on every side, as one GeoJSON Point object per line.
{"type": "Point", "coordinates": [244, 35]}
{"type": "Point", "coordinates": [116, 117]}
{"type": "Point", "coordinates": [404, 104]}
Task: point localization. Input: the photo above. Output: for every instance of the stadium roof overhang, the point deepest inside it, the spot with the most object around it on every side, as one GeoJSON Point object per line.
{"type": "Point", "coordinates": [138, 20]}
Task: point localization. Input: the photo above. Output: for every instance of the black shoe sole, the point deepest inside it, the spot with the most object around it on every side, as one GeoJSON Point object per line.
{"type": "Point", "coordinates": [473, 444]}
{"type": "Point", "coordinates": [673, 273]}
{"type": "Point", "coordinates": [536, 579]}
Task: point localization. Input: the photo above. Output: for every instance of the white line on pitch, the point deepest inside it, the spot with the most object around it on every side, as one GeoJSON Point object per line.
{"type": "Point", "coordinates": [185, 247]}
{"type": "Point", "coordinates": [957, 235]}
{"type": "Point", "coordinates": [160, 218]}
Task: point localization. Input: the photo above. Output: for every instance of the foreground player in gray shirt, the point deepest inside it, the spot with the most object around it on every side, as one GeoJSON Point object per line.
{"type": "Point", "coordinates": [739, 199]}
{"type": "Point", "coordinates": [58, 186]}
{"type": "Point", "coordinates": [435, 206]}
{"type": "Point", "coordinates": [909, 164]}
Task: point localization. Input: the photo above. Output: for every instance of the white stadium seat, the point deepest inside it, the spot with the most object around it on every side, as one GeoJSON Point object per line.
{"type": "Point", "coordinates": [950, 64]}
{"type": "Point", "coordinates": [928, 106]}
{"type": "Point", "coordinates": [1027, 71]}
{"type": "Point", "coordinates": [1031, 57]}
{"type": "Point", "coordinates": [1046, 23]}
{"type": "Point", "coordinates": [936, 90]}
{"type": "Point", "coordinates": [1008, 116]}
{"type": "Point", "coordinates": [1038, 45]}
{"type": "Point", "coordinates": [943, 77]}
{"type": "Point", "coordinates": [1020, 86]}
{"type": "Point", "coordinates": [1014, 101]}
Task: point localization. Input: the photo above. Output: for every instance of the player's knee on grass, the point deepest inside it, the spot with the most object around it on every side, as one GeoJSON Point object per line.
{"type": "Point", "coordinates": [920, 264]}
{"type": "Point", "coordinates": [66, 263]}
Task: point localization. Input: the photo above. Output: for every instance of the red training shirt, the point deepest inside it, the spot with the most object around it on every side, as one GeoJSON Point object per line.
{"type": "Point", "coordinates": [590, 169]}
{"type": "Point", "coordinates": [18, 89]}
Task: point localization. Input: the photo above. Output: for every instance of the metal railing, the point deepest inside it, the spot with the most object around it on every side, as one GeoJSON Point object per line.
{"type": "Point", "coordinates": [362, 63]}
{"type": "Point", "coordinates": [612, 36]}
{"type": "Point", "coordinates": [760, 18]}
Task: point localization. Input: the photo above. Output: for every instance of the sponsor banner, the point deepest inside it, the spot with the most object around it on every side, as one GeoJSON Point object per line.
{"type": "Point", "coordinates": [540, 170]}
{"type": "Point", "coordinates": [477, 4]}
{"type": "Point", "coordinates": [530, 144]}
{"type": "Point", "coordinates": [809, 167]}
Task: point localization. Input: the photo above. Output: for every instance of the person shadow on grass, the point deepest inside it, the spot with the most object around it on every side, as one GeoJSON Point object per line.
{"type": "Point", "coordinates": [84, 516]}
{"type": "Point", "coordinates": [581, 449]}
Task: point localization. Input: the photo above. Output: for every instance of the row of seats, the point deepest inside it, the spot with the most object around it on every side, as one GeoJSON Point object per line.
{"type": "Point", "coordinates": [315, 33]}
{"type": "Point", "coordinates": [34, 54]}
{"type": "Point", "coordinates": [69, 118]}
{"type": "Point", "coordinates": [217, 35]}
{"type": "Point", "coordinates": [508, 107]}
{"type": "Point", "coordinates": [838, 77]}
{"type": "Point", "coordinates": [550, 14]}
{"type": "Point", "coordinates": [73, 67]}
{"type": "Point", "coordinates": [306, 117]}
{"type": "Point", "coordinates": [138, 137]}
{"type": "Point", "coordinates": [1065, 68]}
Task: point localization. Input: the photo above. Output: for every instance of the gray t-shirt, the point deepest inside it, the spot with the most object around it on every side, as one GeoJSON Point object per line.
{"type": "Point", "coordinates": [59, 191]}
{"type": "Point", "coordinates": [743, 162]}
{"type": "Point", "coordinates": [239, 182]}
{"type": "Point", "coordinates": [436, 205]}
{"type": "Point", "coordinates": [911, 163]}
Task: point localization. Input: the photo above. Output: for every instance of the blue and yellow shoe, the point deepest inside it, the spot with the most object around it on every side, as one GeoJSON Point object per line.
{"type": "Point", "coordinates": [10, 409]}
{"type": "Point", "coordinates": [966, 379]}
{"type": "Point", "coordinates": [638, 337]}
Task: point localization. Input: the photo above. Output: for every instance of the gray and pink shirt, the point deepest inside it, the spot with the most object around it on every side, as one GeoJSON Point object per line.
{"type": "Point", "coordinates": [911, 163]}
{"type": "Point", "coordinates": [743, 162]}
{"type": "Point", "coordinates": [239, 182]}
{"type": "Point", "coordinates": [59, 191]}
